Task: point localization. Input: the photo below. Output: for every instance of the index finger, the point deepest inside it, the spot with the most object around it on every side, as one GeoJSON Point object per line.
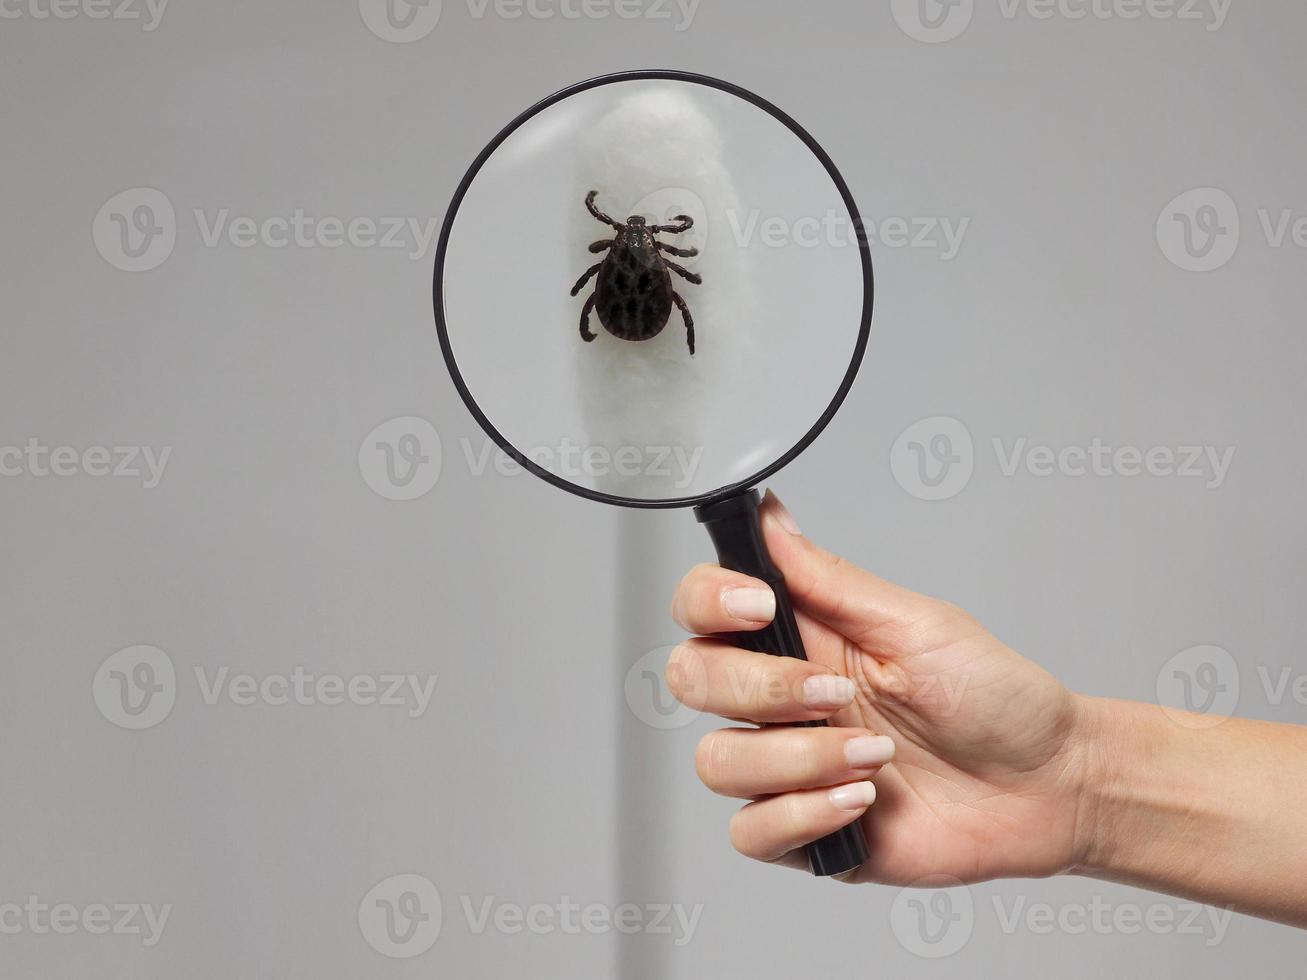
{"type": "Point", "coordinates": [712, 599]}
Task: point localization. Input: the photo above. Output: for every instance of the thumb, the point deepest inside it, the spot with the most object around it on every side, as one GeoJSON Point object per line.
{"type": "Point", "coordinates": [848, 599]}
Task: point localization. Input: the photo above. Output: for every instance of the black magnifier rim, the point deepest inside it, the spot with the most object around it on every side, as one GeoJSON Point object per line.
{"type": "Point", "coordinates": [864, 332]}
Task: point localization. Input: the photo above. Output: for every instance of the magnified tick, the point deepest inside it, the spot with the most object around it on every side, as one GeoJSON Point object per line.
{"type": "Point", "coordinates": [633, 294]}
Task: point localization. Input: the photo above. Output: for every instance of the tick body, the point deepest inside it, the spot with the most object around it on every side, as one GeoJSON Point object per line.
{"type": "Point", "coordinates": [634, 293]}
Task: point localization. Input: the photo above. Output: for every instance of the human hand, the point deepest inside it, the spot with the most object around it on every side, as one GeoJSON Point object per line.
{"type": "Point", "coordinates": [988, 750]}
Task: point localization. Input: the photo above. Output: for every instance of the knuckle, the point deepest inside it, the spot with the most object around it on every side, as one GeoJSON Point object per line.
{"type": "Point", "coordinates": [744, 832]}
{"type": "Point", "coordinates": [713, 759]}
{"type": "Point", "coordinates": [687, 601]}
{"type": "Point", "coordinates": [697, 576]}
{"type": "Point", "coordinates": [768, 686]}
{"type": "Point", "coordinates": [686, 676]}
{"type": "Point", "coordinates": [676, 673]}
{"type": "Point", "coordinates": [950, 611]}
{"type": "Point", "coordinates": [792, 815]}
{"type": "Point", "coordinates": [800, 752]}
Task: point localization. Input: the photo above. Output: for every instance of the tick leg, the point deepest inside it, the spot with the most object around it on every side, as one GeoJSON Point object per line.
{"type": "Point", "coordinates": [601, 246]}
{"type": "Point", "coordinates": [685, 253]}
{"type": "Point", "coordinates": [689, 320]}
{"type": "Point", "coordinates": [589, 273]}
{"type": "Point", "coordinates": [684, 223]}
{"type": "Point", "coordinates": [694, 277]}
{"type": "Point", "coordinates": [599, 215]}
{"type": "Point", "coordinates": [586, 335]}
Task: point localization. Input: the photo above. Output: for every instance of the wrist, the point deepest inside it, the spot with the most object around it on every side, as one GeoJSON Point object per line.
{"type": "Point", "coordinates": [1149, 809]}
{"type": "Point", "coordinates": [1184, 804]}
{"type": "Point", "coordinates": [1097, 781]}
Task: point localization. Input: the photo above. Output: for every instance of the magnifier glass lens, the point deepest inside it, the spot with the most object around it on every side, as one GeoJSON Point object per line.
{"type": "Point", "coordinates": [730, 236]}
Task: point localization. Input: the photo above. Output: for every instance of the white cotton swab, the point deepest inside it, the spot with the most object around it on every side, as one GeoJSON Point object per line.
{"type": "Point", "coordinates": [658, 154]}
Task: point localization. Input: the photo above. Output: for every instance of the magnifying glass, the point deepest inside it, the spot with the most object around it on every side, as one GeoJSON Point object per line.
{"type": "Point", "coordinates": [652, 289]}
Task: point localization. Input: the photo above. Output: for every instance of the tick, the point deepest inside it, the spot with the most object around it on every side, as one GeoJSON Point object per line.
{"type": "Point", "coordinates": [633, 294]}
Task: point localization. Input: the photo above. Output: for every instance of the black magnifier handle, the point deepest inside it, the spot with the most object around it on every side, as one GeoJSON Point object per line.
{"type": "Point", "coordinates": [736, 532]}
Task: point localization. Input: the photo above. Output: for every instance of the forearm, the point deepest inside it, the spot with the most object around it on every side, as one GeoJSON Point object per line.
{"type": "Point", "coordinates": [1217, 814]}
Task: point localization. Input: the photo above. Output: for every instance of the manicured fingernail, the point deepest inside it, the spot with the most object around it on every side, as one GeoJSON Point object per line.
{"type": "Point", "coordinates": [855, 796]}
{"type": "Point", "coordinates": [868, 750]}
{"type": "Point", "coordinates": [783, 517]}
{"type": "Point", "coordinates": [828, 691]}
{"type": "Point", "coordinates": [750, 604]}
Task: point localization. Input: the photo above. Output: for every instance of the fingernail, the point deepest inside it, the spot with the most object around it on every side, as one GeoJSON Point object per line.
{"type": "Point", "coordinates": [855, 796]}
{"type": "Point", "coordinates": [750, 604]}
{"type": "Point", "coordinates": [783, 517]}
{"type": "Point", "coordinates": [828, 691]}
{"type": "Point", "coordinates": [868, 750]}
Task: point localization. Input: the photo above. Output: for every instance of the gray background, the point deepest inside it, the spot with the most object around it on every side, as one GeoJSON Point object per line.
{"type": "Point", "coordinates": [530, 777]}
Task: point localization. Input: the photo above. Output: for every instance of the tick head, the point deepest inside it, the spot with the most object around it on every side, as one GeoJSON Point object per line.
{"type": "Point", "coordinates": [636, 220]}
